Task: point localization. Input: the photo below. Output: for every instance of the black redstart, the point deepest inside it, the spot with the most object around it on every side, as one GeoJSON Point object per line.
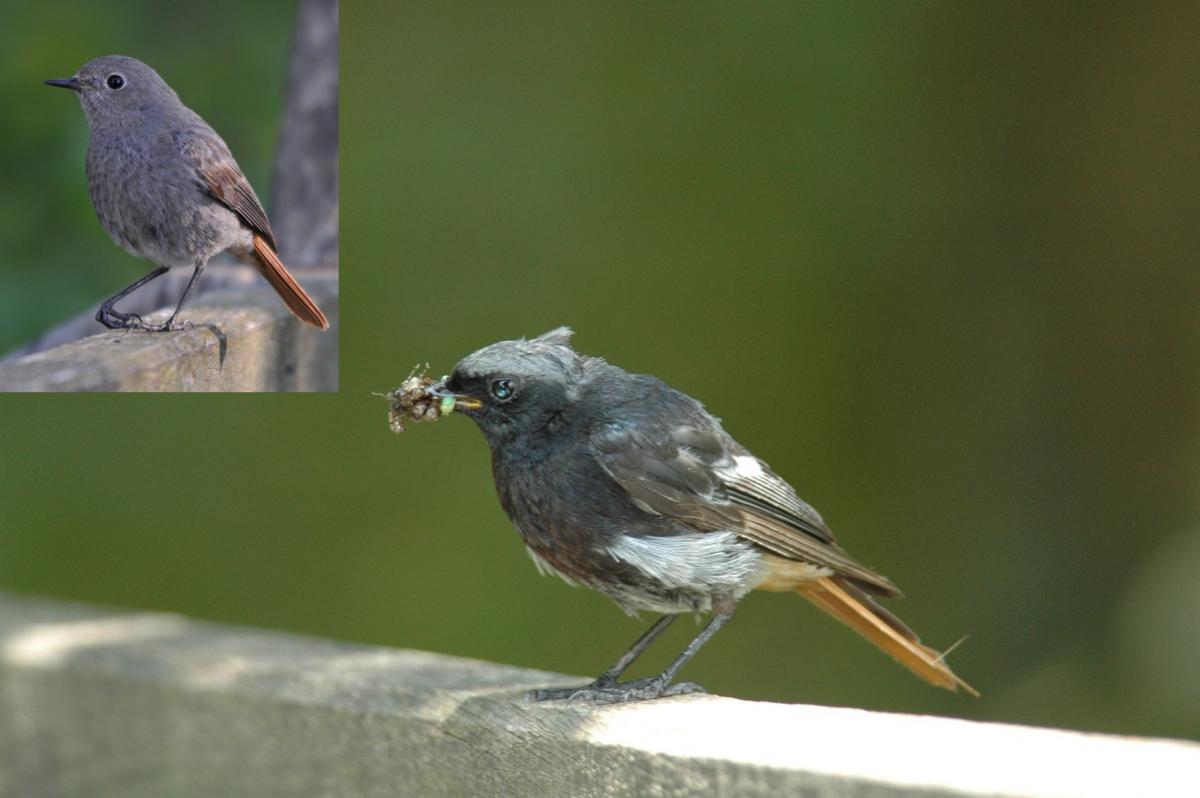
{"type": "Point", "coordinates": [621, 483]}
{"type": "Point", "coordinates": [167, 189]}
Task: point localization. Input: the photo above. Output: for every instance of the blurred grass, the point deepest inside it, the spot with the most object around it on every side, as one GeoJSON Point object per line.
{"type": "Point", "coordinates": [933, 262]}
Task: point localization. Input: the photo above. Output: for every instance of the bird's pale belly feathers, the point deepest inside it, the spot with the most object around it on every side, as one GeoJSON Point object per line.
{"type": "Point", "coordinates": [152, 212]}
{"type": "Point", "coordinates": [682, 573]}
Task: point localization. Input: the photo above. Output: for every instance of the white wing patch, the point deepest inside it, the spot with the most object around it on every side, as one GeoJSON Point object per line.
{"type": "Point", "coordinates": [747, 467]}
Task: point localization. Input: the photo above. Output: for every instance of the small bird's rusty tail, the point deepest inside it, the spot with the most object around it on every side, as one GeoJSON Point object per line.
{"type": "Point", "coordinates": [298, 302]}
{"type": "Point", "coordinates": [856, 609]}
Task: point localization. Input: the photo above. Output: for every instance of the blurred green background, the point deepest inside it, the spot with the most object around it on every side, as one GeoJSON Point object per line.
{"type": "Point", "coordinates": [934, 262]}
{"type": "Point", "coordinates": [227, 60]}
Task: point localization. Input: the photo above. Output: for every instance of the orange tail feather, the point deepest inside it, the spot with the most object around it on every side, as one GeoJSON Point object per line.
{"type": "Point", "coordinates": [857, 610]}
{"type": "Point", "coordinates": [298, 302]}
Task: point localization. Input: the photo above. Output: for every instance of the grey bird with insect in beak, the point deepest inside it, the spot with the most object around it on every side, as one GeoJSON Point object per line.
{"type": "Point", "coordinates": [167, 189]}
{"type": "Point", "coordinates": [618, 482]}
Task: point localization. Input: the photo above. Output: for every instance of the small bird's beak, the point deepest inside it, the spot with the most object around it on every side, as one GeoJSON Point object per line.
{"type": "Point", "coordinates": [66, 83]}
{"type": "Point", "coordinates": [461, 401]}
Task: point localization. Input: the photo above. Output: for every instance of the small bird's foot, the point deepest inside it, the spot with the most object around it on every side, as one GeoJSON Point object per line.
{"type": "Point", "coordinates": [609, 692]}
{"type": "Point", "coordinates": [170, 325]}
{"type": "Point", "coordinates": [116, 320]}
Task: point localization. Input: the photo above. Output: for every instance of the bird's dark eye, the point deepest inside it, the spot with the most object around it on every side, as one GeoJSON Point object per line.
{"type": "Point", "coordinates": [503, 389]}
{"type": "Point", "coordinates": [115, 82]}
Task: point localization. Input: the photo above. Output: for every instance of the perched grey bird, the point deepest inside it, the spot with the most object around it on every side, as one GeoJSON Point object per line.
{"type": "Point", "coordinates": [167, 189]}
{"type": "Point", "coordinates": [620, 483]}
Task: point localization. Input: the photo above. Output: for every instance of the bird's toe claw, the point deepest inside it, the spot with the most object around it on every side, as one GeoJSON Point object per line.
{"type": "Point", "coordinates": [115, 320]}
{"type": "Point", "coordinates": [614, 692]}
{"type": "Point", "coordinates": [685, 688]}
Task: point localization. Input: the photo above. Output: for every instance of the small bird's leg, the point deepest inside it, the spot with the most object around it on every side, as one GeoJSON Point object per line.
{"type": "Point", "coordinates": [606, 690]}
{"type": "Point", "coordinates": [115, 320]}
{"type": "Point", "coordinates": [611, 675]}
{"type": "Point", "coordinates": [662, 682]}
{"type": "Point", "coordinates": [609, 678]}
{"type": "Point", "coordinates": [171, 324]}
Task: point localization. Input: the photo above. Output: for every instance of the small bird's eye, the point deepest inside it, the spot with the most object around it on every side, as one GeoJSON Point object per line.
{"type": "Point", "coordinates": [503, 389]}
{"type": "Point", "coordinates": [115, 82]}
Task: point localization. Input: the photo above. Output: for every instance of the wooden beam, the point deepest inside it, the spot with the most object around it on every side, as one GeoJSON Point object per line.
{"type": "Point", "coordinates": [100, 703]}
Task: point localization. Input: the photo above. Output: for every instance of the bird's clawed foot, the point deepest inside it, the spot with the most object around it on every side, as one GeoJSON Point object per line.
{"type": "Point", "coordinates": [116, 320]}
{"type": "Point", "coordinates": [170, 325]}
{"type": "Point", "coordinates": [606, 691]}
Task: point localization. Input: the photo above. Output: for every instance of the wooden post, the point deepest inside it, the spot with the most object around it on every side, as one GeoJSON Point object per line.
{"type": "Point", "coordinates": [304, 196]}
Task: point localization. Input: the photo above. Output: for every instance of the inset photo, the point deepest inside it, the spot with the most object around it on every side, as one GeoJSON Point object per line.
{"type": "Point", "coordinates": [171, 208]}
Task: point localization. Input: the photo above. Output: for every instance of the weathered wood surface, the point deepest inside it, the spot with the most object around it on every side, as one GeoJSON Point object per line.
{"type": "Point", "coordinates": [114, 703]}
{"type": "Point", "coordinates": [304, 208]}
{"type": "Point", "coordinates": [241, 339]}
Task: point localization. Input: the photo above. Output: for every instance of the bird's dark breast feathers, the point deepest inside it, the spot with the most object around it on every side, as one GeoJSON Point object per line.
{"type": "Point", "coordinates": [568, 511]}
{"type": "Point", "coordinates": [547, 497]}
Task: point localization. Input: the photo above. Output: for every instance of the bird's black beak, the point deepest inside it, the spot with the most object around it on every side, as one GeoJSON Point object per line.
{"type": "Point", "coordinates": [65, 83]}
{"type": "Point", "coordinates": [461, 401]}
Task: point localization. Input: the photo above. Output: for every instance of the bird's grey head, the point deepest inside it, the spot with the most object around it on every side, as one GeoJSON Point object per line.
{"type": "Point", "coordinates": [115, 88]}
{"type": "Point", "coordinates": [512, 388]}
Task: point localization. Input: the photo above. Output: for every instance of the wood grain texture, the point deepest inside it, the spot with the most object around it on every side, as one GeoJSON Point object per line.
{"type": "Point", "coordinates": [241, 340]}
{"type": "Point", "coordinates": [101, 703]}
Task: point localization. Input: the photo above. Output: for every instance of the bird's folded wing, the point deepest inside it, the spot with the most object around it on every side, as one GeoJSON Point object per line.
{"type": "Point", "coordinates": [699, 476]}
{"type": "Point", "coordinates": [661, 476]}
{"type": "Point", "coordinates": [219, 175]}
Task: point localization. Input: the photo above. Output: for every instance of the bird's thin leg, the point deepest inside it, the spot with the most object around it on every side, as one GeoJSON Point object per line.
{"type": "Point", "coordinates": [606, 691]}
{"type": "Point", "coordinates": [663, 680]}
{"type": "Point", "coordinates": [611, 675]}
{"type": "Point", "coordinates": [171, 324]}
{"type": "Point", "coordinates": [115, 320]}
